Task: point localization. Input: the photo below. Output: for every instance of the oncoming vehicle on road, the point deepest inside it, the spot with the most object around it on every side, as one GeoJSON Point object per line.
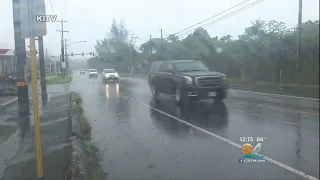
{"type": "Point", "coordinates": [187, 80]}
{"type": "Point", "coordinates": [82, 71]}
{"type": "Point", "coordinates": [109, 74]}
{"type": "Point", "coordinates": [93, 73]}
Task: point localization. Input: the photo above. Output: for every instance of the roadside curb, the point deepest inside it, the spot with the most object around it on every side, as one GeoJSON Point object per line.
{"type": "Point", "coordinates": [77, 166]}
{"type": "Point", "coordinates": [5, 105]}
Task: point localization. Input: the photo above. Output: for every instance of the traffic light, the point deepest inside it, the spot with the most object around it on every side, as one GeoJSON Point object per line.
{"type": "Point", "coordinates": [82, 54]}
{"type": "Point", "coordinates": [90, 53]}
{"type": "Point", "coordinates": [71, 54]}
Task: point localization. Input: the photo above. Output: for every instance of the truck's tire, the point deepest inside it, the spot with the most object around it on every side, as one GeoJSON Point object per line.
{"type": "Point", "coordinates": [154, 91]}
{"type": "Point", "coordinates": [181, 97]}
{"type": "Point", "coordinates": [178, 96]}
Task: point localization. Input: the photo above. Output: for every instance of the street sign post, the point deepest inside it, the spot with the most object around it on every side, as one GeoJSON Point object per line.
{"type": "Point", "coordinates": [29, 11]}
{"type": "Point", "coordinates": [34, 83]}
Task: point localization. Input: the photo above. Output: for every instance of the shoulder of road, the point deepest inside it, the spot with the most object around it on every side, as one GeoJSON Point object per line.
{"type": "Point", "coordinates": [54, 143]}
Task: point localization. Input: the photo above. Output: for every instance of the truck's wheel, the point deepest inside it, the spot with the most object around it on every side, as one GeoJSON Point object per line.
{"type": "Point", "coordinates": [178, 96]}
{"type": "Point", "coordinates": [181, 97]}
{"type": "Point", "coordinates": [154, 91]}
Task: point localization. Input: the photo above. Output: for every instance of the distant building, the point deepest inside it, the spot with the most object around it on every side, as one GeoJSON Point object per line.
{"type": "Point", "coordinates": [8, 62]}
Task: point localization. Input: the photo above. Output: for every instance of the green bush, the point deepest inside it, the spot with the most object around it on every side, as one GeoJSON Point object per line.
{"type": "Point", "coordinates": [58, 79]}
{"type": "Point", "coordinates": [85, 126]}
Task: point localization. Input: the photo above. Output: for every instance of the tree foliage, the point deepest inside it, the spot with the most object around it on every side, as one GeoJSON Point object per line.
{"type": "Point", "coordinates": [117, 47]}
{"type": "Point", "coordinates": [263, 51]}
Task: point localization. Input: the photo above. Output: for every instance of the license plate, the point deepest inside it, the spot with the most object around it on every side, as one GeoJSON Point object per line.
{"type": "Point", "coordinates": [211, 94]}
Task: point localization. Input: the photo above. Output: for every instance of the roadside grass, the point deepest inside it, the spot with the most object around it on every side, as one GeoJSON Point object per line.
{"type": "Point", "coordinates": [237, 81]}
{"type": "Point", "coordinates": [58, 80]}
{"type": "Point", "coordinates": [10, 92]}
{"type": "Point", "coordinates": [95, 172]}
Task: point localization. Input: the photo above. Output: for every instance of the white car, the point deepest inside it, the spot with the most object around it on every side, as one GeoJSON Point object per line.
{"type": "Point", "coordinates": [93, 73]}
{"type": "Point", "coordinates": [110, 74]}
{"type": "Point", "coordinates": [82, 71]}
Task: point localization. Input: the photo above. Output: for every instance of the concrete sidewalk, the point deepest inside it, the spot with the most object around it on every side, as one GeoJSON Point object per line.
{"type": "Point", "coordinates": [54, 141]}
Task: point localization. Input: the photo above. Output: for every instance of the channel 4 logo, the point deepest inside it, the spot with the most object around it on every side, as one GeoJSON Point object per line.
{"type": "Point", "coordinates": [46, 18]}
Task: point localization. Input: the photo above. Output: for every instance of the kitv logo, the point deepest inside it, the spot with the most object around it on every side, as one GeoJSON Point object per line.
{"type": "Point", "coordinates": [46, 18]}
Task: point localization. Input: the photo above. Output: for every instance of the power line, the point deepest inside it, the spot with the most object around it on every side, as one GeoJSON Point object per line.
{"type": "Point", "coordinates": [242, 2]}
{"type": "Point", "coordinates": [227, 15]}
{"type": "Point", "coordinates": [53, 12]}
{"type": "Point", "coordinates": [221, 18]}
{"type": "Point", "coordinates": [212, 17]}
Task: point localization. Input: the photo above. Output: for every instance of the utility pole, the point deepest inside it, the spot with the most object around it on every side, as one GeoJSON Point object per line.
{"type": "Point", "coordinates": [161, 40]}
{"type": "Point", "coordinates": [299, 36]}
{"type": "Point", "coordinates": [20, 54]}
{"type": "Point", "coordinates": [63, 65]}
{"type": "Point", "coordinates": [43, 85]}
{"type": "Point", "coordinates": [66, 56]}
{"type": "Point", "coordinates": [150, 46]}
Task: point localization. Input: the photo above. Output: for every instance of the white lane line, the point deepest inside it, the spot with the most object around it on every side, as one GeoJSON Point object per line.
{"type": "Point", "coordinates": [276, 95]}
{"type": "Point", "coordinates": [59, 107]}
{"type": "Point", "coordinates": [15, 99]}
{"type": "Point", "coordinates": [54, 121]}
{"type": "Point", "coordinates": [234, 144]}
{"type": "Point", "coordinates": [13, 124]}
{"type": "Point", "coordinates": [30, 156]}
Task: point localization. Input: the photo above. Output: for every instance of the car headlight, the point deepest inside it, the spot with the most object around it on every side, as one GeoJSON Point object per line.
{"type": "Point", "coordinates": [117, 75]}
{"type": "Point", "coordinates": [188, 80]}
{"type": "Point", "coordinates": [224, 76]}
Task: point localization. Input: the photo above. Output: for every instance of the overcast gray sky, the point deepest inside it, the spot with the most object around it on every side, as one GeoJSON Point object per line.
{"type": "Point", "coordinates": [90, 19]}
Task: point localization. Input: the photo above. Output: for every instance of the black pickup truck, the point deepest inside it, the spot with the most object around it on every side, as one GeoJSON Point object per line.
{"type": "Point", "coordinates": [186, 80]}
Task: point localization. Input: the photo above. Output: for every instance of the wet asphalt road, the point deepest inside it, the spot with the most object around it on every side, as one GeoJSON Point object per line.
{"type": "Point", "coordinates": [143, 139]}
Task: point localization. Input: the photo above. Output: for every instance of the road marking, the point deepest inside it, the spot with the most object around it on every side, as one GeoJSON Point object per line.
{"type": "Point", "coordinates": [234, 144]}
{"type": "Point", "coordinates": [62, 106]}
{"type": "Point", "coordinates": [11, 101]}
{"type": "Point", "coordinates": [49, 150]}
{"type": "Point", "coordinates": [54, 121]}
{"type": "Point", "coordinates": [13, 124]}
{"type": "Point", "coordinates": [277, 95]}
